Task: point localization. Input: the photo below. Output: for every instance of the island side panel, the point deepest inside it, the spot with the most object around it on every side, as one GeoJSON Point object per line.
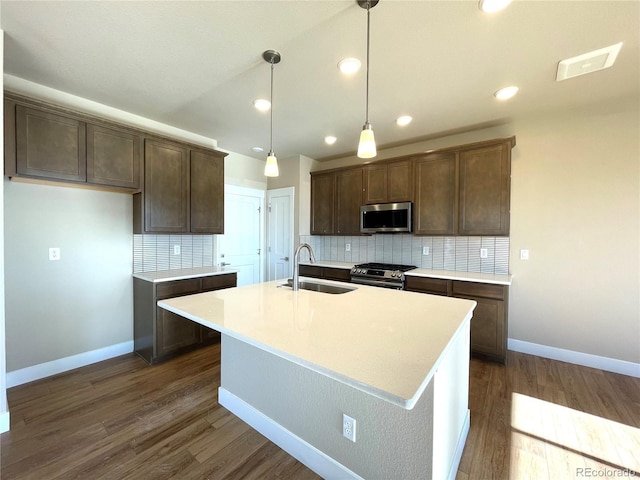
{"type": "Point", "coordinates": [391, 442]}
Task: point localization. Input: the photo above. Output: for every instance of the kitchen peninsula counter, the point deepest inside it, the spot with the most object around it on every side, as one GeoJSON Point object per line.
{"type": "Point", "coordinates": [293, 362]}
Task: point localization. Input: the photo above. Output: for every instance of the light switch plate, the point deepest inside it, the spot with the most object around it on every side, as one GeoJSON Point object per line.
{"type": "Point", "coordinates": [425, 250]}
{"type": "Point", "coordinates": [524, 254]}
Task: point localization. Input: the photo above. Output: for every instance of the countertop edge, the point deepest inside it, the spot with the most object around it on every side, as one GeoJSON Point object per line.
{"type": "Point", "coordinates": [182, 274]}
{"type": "Point", "coordinates": [497, 279]}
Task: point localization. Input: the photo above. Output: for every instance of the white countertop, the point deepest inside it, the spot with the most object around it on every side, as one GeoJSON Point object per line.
{"type": "Point", "coordinates": [182, 273]}
{"type": "Point", "coordinates": [426, 272]}
{"type": "Point", "coordinates": [385, 342]}
{"type": "Point", "coordinates": [463, 276]}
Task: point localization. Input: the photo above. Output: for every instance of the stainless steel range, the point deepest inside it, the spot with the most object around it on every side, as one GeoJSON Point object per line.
{"type": "Point", "coordinates": [386, 275]}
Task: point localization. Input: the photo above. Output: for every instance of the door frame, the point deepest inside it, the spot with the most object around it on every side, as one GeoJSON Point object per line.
{"type": "Point", "coordinates": [291, 192]}
{"type": "Point", "coordinates": [253, 192]}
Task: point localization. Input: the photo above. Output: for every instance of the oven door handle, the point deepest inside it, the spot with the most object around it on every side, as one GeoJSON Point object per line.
{"type": "Point", "coordinates": [376, 283]}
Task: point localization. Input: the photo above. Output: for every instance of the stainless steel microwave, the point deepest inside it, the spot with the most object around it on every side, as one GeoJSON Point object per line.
{"type": "Point", "coordinates": [386, 218]}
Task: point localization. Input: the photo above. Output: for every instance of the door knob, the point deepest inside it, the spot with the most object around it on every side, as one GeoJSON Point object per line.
{"type": "Point", "coordinates": [224, 264]}
{"type": "Point", "coordinates": [286, 259]}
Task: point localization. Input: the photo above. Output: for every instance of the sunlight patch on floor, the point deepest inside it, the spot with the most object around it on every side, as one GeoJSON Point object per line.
{"type": "Point", "coordinates": [552, 441]}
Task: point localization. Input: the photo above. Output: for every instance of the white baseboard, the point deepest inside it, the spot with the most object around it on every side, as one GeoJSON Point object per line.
{"type": "Point", "coordinates": [4, 422]}
{"type": "Point", "coordinates": [585, 359]}
{"type": "Point", "coordinates": [453, 472]}
{"type": "Point", "coordinates": [43, 370]}
{"type": "Point", "coordinates": [304, 452]}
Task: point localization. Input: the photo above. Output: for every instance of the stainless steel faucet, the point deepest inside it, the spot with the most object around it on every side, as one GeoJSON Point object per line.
{"type": "Point", "coordinates": [296, 263]}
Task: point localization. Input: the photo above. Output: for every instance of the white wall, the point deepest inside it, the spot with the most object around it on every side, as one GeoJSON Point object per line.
{"type": "Point", "coordinates": [82, 302]}
{"type": "Point", "coordinates": [575, 205]}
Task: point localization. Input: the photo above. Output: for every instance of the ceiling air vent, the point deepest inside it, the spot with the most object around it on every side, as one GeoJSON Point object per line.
{"type": "Point", "coordinates": [587, 62]}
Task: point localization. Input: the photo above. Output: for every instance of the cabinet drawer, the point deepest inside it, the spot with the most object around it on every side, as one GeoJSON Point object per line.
{"type": "Point", "coordinates": [484, 290]}
{"type": "Point", "coordinates": [437, 286]}
{"type": "Point", "coordinates": [217, 282]}
{"type": "Point", "coordinates": [310, 271]}
{"type": "Point", "coordinates": [177, 288]}
{"type": "Point", "coordinates": [339, 274]}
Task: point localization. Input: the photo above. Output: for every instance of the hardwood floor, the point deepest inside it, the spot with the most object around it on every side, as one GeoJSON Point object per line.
{"type": "Point", "coordinates": [122, 419]}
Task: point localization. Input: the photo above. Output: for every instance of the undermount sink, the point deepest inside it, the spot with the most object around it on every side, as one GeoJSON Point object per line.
{"type": "Point", "coordinates": [319, 287]}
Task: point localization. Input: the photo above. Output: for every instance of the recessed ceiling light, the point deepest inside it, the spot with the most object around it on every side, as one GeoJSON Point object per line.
{"type": "Point", "coordinates": [403, 120]}
{"type": "Point", "coordinates": [262, 104]}
{"type": "Point", "coordinates": [491, 6]}
{"type": "Point", "coordinates": [258, 149]}
{"type": "Point", "coordinates": [349, 65]}
{"type": "Point", "coordinates": [330, 139]}
{"type": "Point", "coordinates": [506, 93]}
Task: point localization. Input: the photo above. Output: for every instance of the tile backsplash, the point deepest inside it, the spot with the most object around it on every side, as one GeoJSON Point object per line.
{"type": "Point", "coordinates": [152, 253]}
{"type": "Point", "coordinates": [461, 254]}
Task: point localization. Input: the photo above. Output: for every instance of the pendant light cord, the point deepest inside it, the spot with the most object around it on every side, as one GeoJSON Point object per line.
{"type": "Point", "coordinates": [271, 110]}
{"type": "Point", "coordinates": [367, 97]}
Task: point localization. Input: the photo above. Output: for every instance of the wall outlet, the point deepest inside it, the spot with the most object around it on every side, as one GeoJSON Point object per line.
{"type": "Point", "coordinates": [349, 427]}
{"type": "Point", "coordinates": [54, 253]}
{"type": "Point", "coordinates": [524, 254]}
{"type": "Point", "coordinates": [484, 252]}
{"type": "Point", "coordinates": [176, 249]}
{"type": "Point", "coordinates": [347, 247]}
{"type": "Point", "coordinates": [425, 250]}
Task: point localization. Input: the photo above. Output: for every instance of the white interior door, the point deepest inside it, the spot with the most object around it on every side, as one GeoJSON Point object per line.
{"type": "Point", "coordinates": [241, 245]}
{"type": "Point", "coordinates": [280, 227]}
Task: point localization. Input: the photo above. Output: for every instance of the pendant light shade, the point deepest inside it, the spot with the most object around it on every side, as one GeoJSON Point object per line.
{"type": "Point", "coordinates": [367, 144]}
{"type": "Point", "coordinates": [271, 167]}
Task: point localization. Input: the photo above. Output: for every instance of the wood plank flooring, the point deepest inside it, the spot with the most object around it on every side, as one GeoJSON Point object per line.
{"type": "Point", "coordinates": [122, 419]}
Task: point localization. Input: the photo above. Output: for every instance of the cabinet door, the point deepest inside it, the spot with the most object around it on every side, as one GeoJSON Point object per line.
{"type": "Point", "coordinates": [400, 181]}
{"type": "Point", "coordinates": [113, 157]}
{"type": "Point", "coordinates": [485, 182]}
{"type": "Point", "coordinates": [348, 202]}
{"type": "Point", "coordinates": [375, 184]}
{"type": "Point", "coordinates": [310, 271]}
{"type": "Point", "coordinates": [322, 199]}
{"type": "Point", "coordinates": [435, 195]}
{"type": "Point", "coordinates": [49, 145]}
{"type": "Point", "coordinates": [174, 332]}
{"type": "Point", "coordinates": [207, 192]}
{"type": "Point", "coordinates": [488, 329]}
{"type": "Point", "coordinates": [166, 187]}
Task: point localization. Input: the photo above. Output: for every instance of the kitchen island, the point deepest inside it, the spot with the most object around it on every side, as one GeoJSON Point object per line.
{"type": "Point", "coordinates": [294, 362]}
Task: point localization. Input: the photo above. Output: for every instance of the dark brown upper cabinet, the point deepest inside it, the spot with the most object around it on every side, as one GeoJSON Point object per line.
{"type": "Point", "coordinates": [435, 199]}
{"type": "Point", "coordinates": [485, 186]}
{"type": "Point", "coordinates": [44, 142]}
{"type": "Point", "coordinates": [166, 187]}
{"type": "Point", "coordinates": [348, 201]}
{"type": "Point", "coordinates": [462, 190]}
{"type": "Point", "coordinates": [49, 145]}
{"type": "Point", "coordinates": [207, 192]}
{"type": "Point", "coordinates": [323, 189]}
{"type": "Point", "coordinates": [113, 157]}
{"type": "Point", "coordinates": [336, 197]}
{"type": "Point", "coordinates": [183, 190]}
{"type": "Point", "coordinates": [388, 182]}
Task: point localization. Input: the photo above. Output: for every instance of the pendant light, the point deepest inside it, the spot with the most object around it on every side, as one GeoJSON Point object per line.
{"type": "Point", "coordinates": [271, 167]}
{"type": "Point", "coordinates": [367, 145]}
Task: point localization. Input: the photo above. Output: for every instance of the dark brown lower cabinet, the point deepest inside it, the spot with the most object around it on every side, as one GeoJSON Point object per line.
{"type": "Point", "coordinates": [328, 273]}
{"type": "Point", "coordinates": [160, 334]}
{"type": "Point", "coordinates": [489, 322]}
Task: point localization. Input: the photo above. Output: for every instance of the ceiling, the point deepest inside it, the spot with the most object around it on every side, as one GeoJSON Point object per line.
{"type": "Point", "coordinates": [198, 65]}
